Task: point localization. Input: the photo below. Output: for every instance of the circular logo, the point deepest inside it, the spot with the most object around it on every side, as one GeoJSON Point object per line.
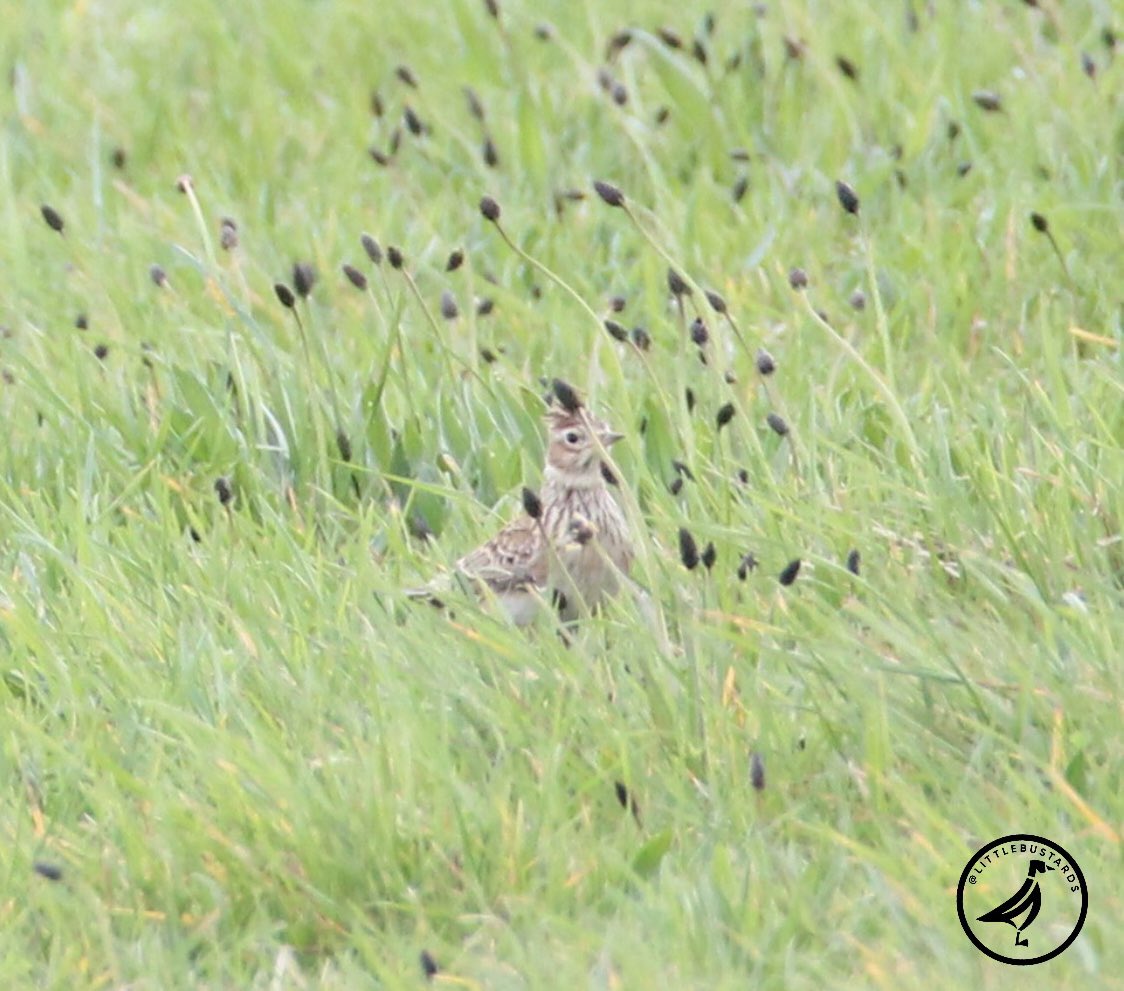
{"type": "Point", "coordinates": [1022, 899]}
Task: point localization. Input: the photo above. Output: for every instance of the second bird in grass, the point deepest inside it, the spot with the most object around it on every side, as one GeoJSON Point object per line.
{"type": "Point", "coordinates": [575, 549]}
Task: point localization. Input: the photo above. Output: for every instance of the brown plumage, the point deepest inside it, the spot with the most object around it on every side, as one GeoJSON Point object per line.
{"type": "Point", "coordinates": [575, 554]}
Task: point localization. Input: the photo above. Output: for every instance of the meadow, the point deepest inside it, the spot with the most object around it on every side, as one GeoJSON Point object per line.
{"type": "Point", "coordinates": [851, 285]}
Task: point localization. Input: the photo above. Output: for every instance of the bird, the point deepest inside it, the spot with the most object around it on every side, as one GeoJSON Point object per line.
{"type": "Point", "coordinates": [571, 547]}
{"type": "Point", "coordinates": [1027, 899]}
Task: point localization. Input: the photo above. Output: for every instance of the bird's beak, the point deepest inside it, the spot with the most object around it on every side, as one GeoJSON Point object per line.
{"type": "Point", "coordinates": [609, 437]}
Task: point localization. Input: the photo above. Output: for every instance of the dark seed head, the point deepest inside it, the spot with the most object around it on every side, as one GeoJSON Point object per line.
{"type": "Point", "coordinates": [669, 38]}
{"type": "Point", "coordinates": [428, 965]}
{"type": "Point", "coordinates": [616, 331]}
{"type": "Point", "coordinates": [848, 198]}
{"type": "Point", "coordinates": [717, 303]}
{"type": "Point", "coordinates": [378, 156]}
{"type": "Point", "coordinates": [493, 9]}
{"type": "Point", "coordinates": [699, 334]}
{"type": "Point", "coordinates": [304, 278]}
{"type": "Point", "coordinates": [81, 321]}
{"type": "Point", "coordinates": [413, 122]}
{"type": "Point", "coordinates": [682, 468]}
{"type": "Point", "coordinates": [777, 423]}
{"type": "Point", "coordinates": [449, 308]}
{"type": "Point", "coordinates": [953, 130]}
{"type": "Point", "coordinates": [724, 415]}
{"type": "Point", "coordinates": [158, 276]}
{"type": "Point", "coordinates": [641, 338]}
{"type": "Point", "coordinates": [616, 303]}
{"type": "Point", "coordinates": [853, 561]}
{"type": "Point", "coordinates": [765, 363]}
{"type": "Point", "coordinates": [355, 277]}
{"type": "Point", "coordinates": [676, 284]}
{"type": "Point", "coordinates": [394, 256]}
{"type": "Point", "coordinates": [794, 48]}
{"type": "Point", "coordinates": [544, 32]}
{"type": "Point", "coordinates": [987, 100]}
{"type": "Point", "coordinates": [52, 872]}
{"type": "Point", "coordinates": [185, 184]}
{"type": "Point", "coordinates": [371, 247]}
{"type": "Point", "coordinates": [847, 67]}
{"type": "Point", "coordinates": [676, 486]}
{"type": "Point", "coordinates": [1088, 66]}
{"type": "Point", "coordinates": [490, 209]}
{"type": "Point", "coordinates": [617, 43]}
{"type": "Point", "coordinates": [698, 51]}
{"type": "Point", "coordinates": [484, 306]}
{"type": "Point", "coordinates": [566, 395]}
{"type": "Point", "coordinates": [963, 169]}
{"type": "Point", "coordinates": [224, 490]}
{"type": "Point", "coordinates": [343, 445]}
{"type": "Point", "coordinates": [406, 74]}
{"type": "Point", "coordinates": [791, 570]}
{"type": "Point", "coordinates": [532, 504]}
{"type": "Point", "coordinates": [475, 107]}
{"type": "Point", "coordinates": [489, 153]}
{"type": "Point", "coordinates": [53, 218]}
{"type": "Point", "coordinates": [377, 107]}
{"type": "Point", "coordinates": [747, 564]}
{"type": "Point", "coordinates": [228, 234]}
{"type": "Point", "coordinates": [689, 399]}
{"type": "Point", "coordinates": [709, 555]}
{"type": "Point", "coordinates": [454, 261]}
{"type": "Point", "coordinates": [488, 356]}
{"type": "Point", "coordinates": [858, 300]}
{"type": "Point", "coordinates": [101, 352]}
{"type": "Point", "coordinates": [688, 549]}
{"type": "Point", "coordinates": [619, 93]}
{"type": "Point", "coordinates": [118, 158]}
{"type": "Point", "coordinates": [609, 193]}
{"type": "Point", "coordinates": [740, 187]}
{"type": "Point", "coordinates": [285, 295]}
{"type": "Point", "coordinates": [798, 278]}
{"type": "Point", "coordinates": [757, 772]}
{"type": "Point", "coordinates": [1040, 223]}
{"type": "Point", "coordinates": [662, 115]}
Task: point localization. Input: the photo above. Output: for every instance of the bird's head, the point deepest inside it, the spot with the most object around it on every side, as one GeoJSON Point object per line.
{"type": "Point", "coordinates": [573, 443]}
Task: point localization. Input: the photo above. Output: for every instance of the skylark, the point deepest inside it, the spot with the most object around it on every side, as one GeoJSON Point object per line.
{"type": "Point", "coordinates": [575, 550]}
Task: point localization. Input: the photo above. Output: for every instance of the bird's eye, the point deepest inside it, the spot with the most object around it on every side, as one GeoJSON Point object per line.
{"type": "Point", "coordinates": [573, 437]}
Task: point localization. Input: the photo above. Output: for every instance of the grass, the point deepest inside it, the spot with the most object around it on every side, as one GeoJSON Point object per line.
{"type": "Point", "coordinates": [257, 766]}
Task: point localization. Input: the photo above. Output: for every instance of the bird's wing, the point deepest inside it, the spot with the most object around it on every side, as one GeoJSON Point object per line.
{"type": "Point", "coordinates": [1012, 907]}
{"type": "Point", "coordinates": [514, 558]}
{"type": "Point", "coordinates": [1035, 901]}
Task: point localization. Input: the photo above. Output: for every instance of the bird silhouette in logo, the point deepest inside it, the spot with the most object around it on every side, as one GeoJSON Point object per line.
{"type": "Point", "coordinates": [1027, 902]}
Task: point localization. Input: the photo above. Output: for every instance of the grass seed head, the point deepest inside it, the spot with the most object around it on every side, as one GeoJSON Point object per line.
{"type": "Point", "coordinates": [454, 261]}
{"type": "Point", "coordinates": [52, 872]}
{"type": "Point", "coordinates": [371, 247]}
{"type": "Point", "coordinates": [788, 575]}
{"type": "Point", "coordinates": [414, 124]}
{"type": "Point", "coordinates": [847, 67]}
{"type": "Point", "coordinates": [53, 218]}
{"type": "Point", "coordinates": [616, 331]}
{"type": "Point", "coordinates": [688, 549]}
{"type": "Point", "coordinates": [676, 284]}
{"type": "Point", "coordinates": [82, 322]}
{"type": "Point", "coordinates": [616, 303]}
{"type": "Point", "coordinates": [717, 303]}
{"type": "Point", "coordinates": [765, 363]}
{"type": "Point", "coordinates": [988, 100]}
{"type": "Point", "coordinates": [101, 352]}
{"type": "Point", "coordinates": [724, 415]}
{"type": "Point", "coordinates": [449, 309]}
{"type": "Point", "coordinates": [699, 334]}
{"type": "Point", "coordinates": [354, 276]}
{"type": "Point", "coordinates": [778, 424]}
{"type": "Point", "coordinates": [484, 306]}
{"type": "Point", "coordinates": [394, 256]}
{"type": "Point", "coordinates": [158, 276]}
{"type": "Point", "coordinates": [428, 965]}
{"type": "Point", "coordinates": [406, 75]}
{"type": "Point", "coordinates": [740, 188]}
{"type": "Point", "coordinates": [228, 234]}
{"type": "Point", "coordinates": [798, 278]}
{"type": "Point", "coordinates": [853, 561]}
{"type": "Point", "coordinates": [489, 153]}
{"type": "Point", "coordinates": [532, 504]}
{"type": "Point", "coordinates": [566, 395]}
{"type": "Point", "coordinates": [119, 158]}
{"type": "Point", "coordinates": [1040, 223]}
{"type": "Point", "coordinates": [343, 445]}
{"type": "Point", "coordinates": [475, 107]}
{"type": "Point", "coordinates": [709, 555]}
{"type": "Point", "coordinates": [641, 338]}
{"type": "Point", "coordinates": [609, 193]}
{"type": "Point", "coordinates": [747, 564]}
{"type": "Point", "coordinates": [489, 209]}
{"type": "Point", "coordinates": [848, 198]}
{"type": "Point", "coordinates": [285, 295]}
{"type": "Point", "coordinates": [304, 278]}
{"type": "Point", "coordinates": [858, 300]}
{"type": "Point", "coordinates": [757, 772]}
{"type": "Point", "coordinates": [224, 490]}
{"type": "Point", "coordinates": [676, 486]}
